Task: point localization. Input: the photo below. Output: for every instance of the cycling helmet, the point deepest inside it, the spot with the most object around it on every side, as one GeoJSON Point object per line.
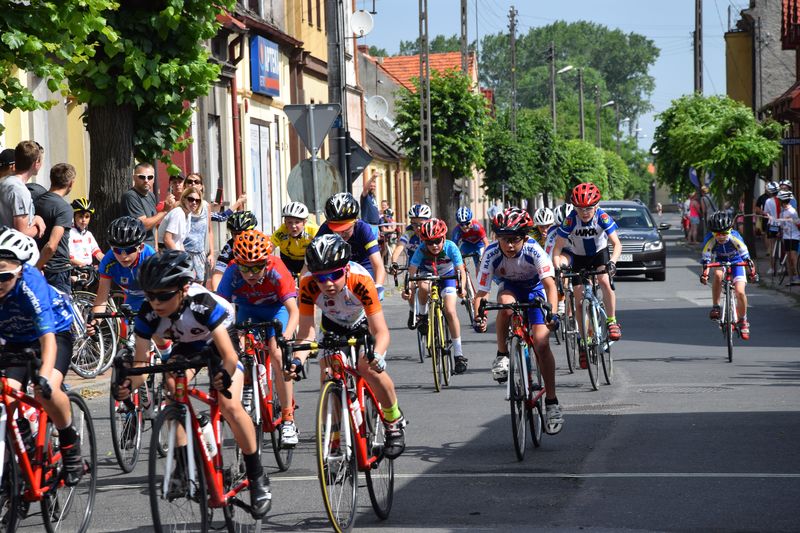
{"type": "Point", "coordinates": [785, 196]}
{"type": "Point", "coordinates": [773, 187]}
{"type": "Point", "coordinates": [585, 195]}
{"type": "Point", "coordinates": [720, 221]}
{"type": "Point", "coordinates": [327, 252]}
{"type": "Point", "coordinates": [785, 183]}
{"type": "Point", "coordinates": [433, 229]}
{"type": "Point", "coordinates": [251, 247]}
{"type": "Point", "coordinates": [125, 232]}
{"type": "Point", "coordinates": [512, 221]}
{"type": "Point", "coordinates": [166, 270]}
{"type": "Point", "coordinates": [562, 212]}
{"type": "Point", "coordinates": [242, 221]}
{"type": "Point", "coordinates": [295, 209]}
{"type": "Point", "coordinates": [543, 217]}
{"type": "Point", "coordinates": [340, 207]}
{"type": "Point", "coordinates": [464, 215]}
{"type": "Point", "coordinates": [388, 212]}
{"type": "Point", "coordinates": [82, 204]}
{"type": "Point", "coordinates": [419, 211]}
{"type": "Point", "coordinates": [17, 246]}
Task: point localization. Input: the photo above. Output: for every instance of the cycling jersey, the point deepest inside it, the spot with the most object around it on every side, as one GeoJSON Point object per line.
{"type": "Point", "coordinates": [126, 277]}
{"type": "Point", "coordinates": [445, 262]}
{"type": "Point", "coordinates": [294, 247]}
{"type": "Point", "coordinates": [275, 287]}
{"type": "Point", "coordinates": [538, 236]}
{"type": "Point", "coordinates": [474, 234]}
{"type": "Point", "coordinates": [363, 243]}
{"type": "Point", "coordinates": [772, 208]}
{"type": "Point", "coordinates": [588, 238]}
{"type": "Point", "coordinates": [225, 257]}
{"type": "Point", "coordinates": [82, 246]}
{"type": "Point", "coordinates": [789, 228]}
{"type": "Point", "coordinates": [32, 309]}
{"type": "Point", "coordinates": [733, 250]}
{"type": "Point", "coordinates": [357, 300]}
{"type": "Point", "coordinates": [410, 241]}
{"type": "Point", "coordinates": [550, 242]}
{"type": "Point", "coordinates": [528, 267]}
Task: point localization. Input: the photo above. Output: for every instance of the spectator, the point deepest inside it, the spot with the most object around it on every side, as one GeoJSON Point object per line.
{"type": "Point", "coordinates": [139, 201]}
{"type": "Point", "coordinates": [199, 241]}
{"type": "Point", "coordinates": [694, 219]}
{"type": "Point", "coordinates": [369, 205]}
{"type": "Point", "coordinates": [175, 227]}
{"type": "Point", "coordinates": [176, 184]}
{"type": "Point", "coordinates": [707, 207]}
{"type": "Point", "coordinates": [494, 209]}
{"type": "Point", "coordinates": [16, 204]}
{"type": "Point", "coordinates": [57, 215]}
{"type": "Point", "coordinates": [6, 162]}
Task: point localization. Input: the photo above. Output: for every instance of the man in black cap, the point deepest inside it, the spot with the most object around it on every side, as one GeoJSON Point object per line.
{"type": "Point", "coordinates": [6, 162]}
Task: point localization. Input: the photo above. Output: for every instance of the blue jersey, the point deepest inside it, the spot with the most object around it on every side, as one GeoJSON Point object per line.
{"type": "Point", "coordinates": [587, 238]}
{"type": "Point", "coordinates": [733, 250]}
{"type": "Point", "coordinates": [527, 268]}
{"type": "Point", "coordinates": [126, 277]}
{"type": "Point", "coordinates": [363, 243]}
{"type": "Point", "coordinates": [446, 261]}
{"type": "Point", "coordinates": [33, 308]}
{"type": "Point", "coordinates": [410, 241]}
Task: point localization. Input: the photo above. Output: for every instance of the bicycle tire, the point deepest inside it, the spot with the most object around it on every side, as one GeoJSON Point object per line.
{"type": "Point", "coordinates": [283, 456]}
{"type": "Point", "coordinates": [517, 395]}
{"type": "Point", "coordinates": [10, 489]}
{"type": "Point", "coordinates": [535, 410]}
{"type": "Point", "coordinates": [589, 337]}
{"type": "Point", "coordinates": [334, 467]}
{"type": "Point", "coordinates": [730, 321]}
{"type": "Point", "coordinates": [380, 477]}
{"type": "Point", "coordinates": [422, 345]}
{"type": "Point", "coordinates": [237, 520]}
{"type": "Point", "coordinates": [126, 430]}
{"type": "Point", "coordinates": [88, 352]}
{"type": "Point", "coordinates": [177, 508]}
{"type": "Point", "coordinates": [433, 348]}
{"type": "Point", "coordinates": [469, 299]}
{"type": "Point", "coordinates": [571, 335]}
{"type": "Point", "coordinates": [446, 351]}
{"type": "Point", "coordinates": [69, 509]}
{"type": "Point", "coordinates": [605, 352]}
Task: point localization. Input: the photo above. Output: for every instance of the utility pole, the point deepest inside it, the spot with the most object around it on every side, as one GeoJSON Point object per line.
{"type": "Point", "coordinates": [580, 104]}
{"type": "Point", "coordinates": [334, 26]}
{"type": "Point", "coordinates": [477, 43]}
{"type": "Point", "coordinates": [512, 26]}
{"type": "Point", "coordinates": [551, 57]}
{"type": "Point", "coordinates": [597, 108]}
{"type": "Point", "coordinates": [426, 165]}
{"type": "Point", "coordinates": [616, 115]}
{"type": "Point", "coordinates": [464, 55]}
{"type": "Point", "coordinates": [698, 46]}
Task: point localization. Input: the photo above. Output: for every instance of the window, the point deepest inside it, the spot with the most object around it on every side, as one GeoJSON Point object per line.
{"type": "Point", "coordinates": [214, 153]}
{"type": "Point", "coordinates": [310, 14]}
{"type": "Point", "coordinates": [260, 174]}
{"type": "Point", "coordinates": [319, 16]}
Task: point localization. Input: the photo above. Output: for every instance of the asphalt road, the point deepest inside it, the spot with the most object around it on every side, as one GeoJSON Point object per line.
{"type": "Point", "coordinates": [681, 441]}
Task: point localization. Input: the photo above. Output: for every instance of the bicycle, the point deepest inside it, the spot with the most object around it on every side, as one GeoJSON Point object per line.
{"type": "Point", "coordinates": [595, 329]}
{"type": "Point", "coordinates": [32, 471]}
{"type": "Point", "coordinates": [524, 388]}
{"type": "Point", "coordinates": [727, 321]}
{"type": "Point", "coordinates": [469, 289]}
{"type": "Point", "coordinates": [89, 352]}
{"type": "Point", "coordinates": [422, 333]}
{"type": "Point", "coordinates": [266, 409]}
{"type": "Point", "coordinates": [569, 322]}
{"type": "Point", "coordinates": [349, 432]}
{"type": "Point", "coordinates": [208, 481]}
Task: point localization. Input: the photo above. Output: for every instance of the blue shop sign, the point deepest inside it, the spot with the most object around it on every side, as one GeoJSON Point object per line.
{"type": "Point", "coordinates": [265, 66]}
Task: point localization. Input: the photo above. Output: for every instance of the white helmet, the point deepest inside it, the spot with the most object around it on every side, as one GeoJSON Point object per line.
{"type": "Point", "coordinates": [543, 217]}
{"type": "Point", "coordinates": [562, 212]}
{"type": "Point", "coordinates": [17, 246]}
{"type": "Point", "coordinates": [419, 211]}
{"type": "Point", "coordinates": [773, 187]}
{"type": "Point", "coordinates": [295, 209]}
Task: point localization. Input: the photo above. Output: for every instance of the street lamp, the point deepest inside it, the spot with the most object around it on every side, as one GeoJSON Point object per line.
{"type": "Point", "coordinates": [619, 125]}
{"type": "Point", "coordinates": [599, 108]}
{"type": "Point", "coordinates": [553, 88]}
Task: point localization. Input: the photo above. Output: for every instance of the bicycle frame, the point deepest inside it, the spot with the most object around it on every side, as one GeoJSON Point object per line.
{"type": "Point", "coordinates": [517, 328]}
{"type": "Point", "coordinates": [728, 314]}
{"type": "Point", "coordinates": [256, 347]}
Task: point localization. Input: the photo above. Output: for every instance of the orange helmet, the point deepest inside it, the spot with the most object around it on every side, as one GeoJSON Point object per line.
{"type": "Point", "coordinates": [251, 247]}
{"type": "Point", "coordinates": [433, 229]}
{"type": "Point", "coordinates": [585, 195]}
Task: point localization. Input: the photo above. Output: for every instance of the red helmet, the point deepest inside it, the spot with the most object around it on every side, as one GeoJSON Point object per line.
{"type": "Point", "coordinates": [433, 229]}
{"type": "Point", "coordinates": [512, 221]}
{"type": "Point", "coordinates": [585, 195]}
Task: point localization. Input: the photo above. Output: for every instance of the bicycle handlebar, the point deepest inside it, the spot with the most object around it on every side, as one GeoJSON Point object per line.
{"type": "Point", "coordinates": [433, 277]}
{"type": "Point", "coordinates": [330, 341]}
{"type": "Point", "coordinates": [124, 312]}
{"type": "Point", "coordinates": [724, 264]}
{"type": "Point", "coordinates": [537, 303]}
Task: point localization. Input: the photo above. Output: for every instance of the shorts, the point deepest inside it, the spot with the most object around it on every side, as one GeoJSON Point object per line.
{"type": "Point", "coordinates": [694, 220]}
{"type": "Point", "coordinates": [587, 262]}
{"type": "Point", "coordinates": [190, 349]}
{"type": "Point", "coordinates": [524, 292]}
{"type": "Point", "coordinates": [63, 356]}
{"type": "Point", "coordinates": [294, 265]}
{"type": "Point", "coordinates": [469, 248]}
{"type": "Point", "coordinates": [790, 245]}
{"type": "Point", "coordinates": [328, 325]}
{"type": "Point", "coordinates": [773, 232]}
{"type": "Point", "coordinates": [446, 286]}
{"type": "Point", "coordinates": [263, 314]}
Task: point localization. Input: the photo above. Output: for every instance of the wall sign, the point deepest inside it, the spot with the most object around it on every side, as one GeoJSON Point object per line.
{"type": "Point", "coordinates": [264, 66]}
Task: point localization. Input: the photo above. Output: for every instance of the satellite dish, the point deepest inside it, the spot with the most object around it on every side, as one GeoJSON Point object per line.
{"type": "Point", "coordinates": [377, 107]}
{"type": "Point", "coordinates": [361, 23]}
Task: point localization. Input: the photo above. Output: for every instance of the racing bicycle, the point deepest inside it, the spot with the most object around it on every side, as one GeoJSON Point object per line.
{"type": "Point", "coordinates": [728, 321]}
{"type": "Point", "coordinates": [595, 329]}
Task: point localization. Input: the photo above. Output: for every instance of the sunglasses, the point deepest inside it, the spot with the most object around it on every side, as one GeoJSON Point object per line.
{"type": "Point", "coordinates": [251, 269]}
{"type": "Point", "coordinates": [511, 240]}
{"type": "Point", "coordinates": [193, 200]}
{"type": "Point", "coordinates": [125, 251]}
{"type": "Point", "coordinates": [586, 209]}
{"type": "Point", "coordinates": [10, 274]}
{"type": "Point", "coordinates": [161, 296]}
{"type": "Point", "coordinates": [147, 177]}
{"type": "Point", "coordinates": [721, 233]}
{"type": "Point", "coordinates": [329, 276]}
{"type": "Point", "coordinates": [435, 241]}
{"type": "Point", "coordinates": [193, 182]}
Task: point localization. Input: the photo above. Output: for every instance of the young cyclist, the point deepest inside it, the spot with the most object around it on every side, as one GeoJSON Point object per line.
{"type": "Point", "coordinates": [82, 245]}
{"type": "Point", "coordinates": [35, 315]}
{"type": "Point", "coordinates": [409, 242]}
{"type": "Point", "coordinates": [723, 243]}
{"type": "Point", "coordinates": [790, 232]}
{"type": "Point", "coordinates": [469, 235]}
{"type": "Point", "coordinates": [263, 289]}
{"type": "Point", "coordinates": [559, 214]}
{"type": "Point", "coordinates": [238, 222]}
{"type": "Point", "coordinates": [589, 230]}
{"type": "Point", "coordinates": [442, 257]}
{"type": "Point", "coordinates": [294, 236]}
{"type": "Point", "coordinates": [543, 220]}
{"type": "Point", "coordinates": [347, 297]}
{"type": "Point", "coordinates": [523, 272]}
{"type": "Point", "coordinates": [194, 318]}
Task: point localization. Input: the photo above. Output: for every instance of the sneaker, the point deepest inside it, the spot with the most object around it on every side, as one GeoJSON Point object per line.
{"type": "Point", "coordinates": [500, 368]}
{"type": "Point", "coordinates": [461, 364]}
{"type": "Point", "coordinates": [744, 329]}
{"type": "Point", "coordinates": [554, 419]}
{"type": "Point", "coordinates": [394, 435]}
{"type": "Point", "coordinates": [260, 497]}
{"type": "Point", "coordinates": [583, 359]}
{"type": "Point", "coordinates": [289, 436]}
{"type": "Point", "coordinates": [73, 463]}
{"type": "Point", "coordinates": [422, 323]}
{"type": "Point", "coordinates": [614, 331]}
{"type": "Point", "coordinates": [411, 322]}
{"type": "Point", "coordinates": [716, 313]}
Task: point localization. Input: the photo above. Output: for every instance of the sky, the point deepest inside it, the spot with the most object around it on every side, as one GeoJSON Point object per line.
{"type": "Point", "coordinates": [668, 23]}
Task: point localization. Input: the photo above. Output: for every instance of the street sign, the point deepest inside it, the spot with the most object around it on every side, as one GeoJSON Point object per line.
{"type": "Point", "coordinates": [312, 122]}
{"type": "Point", "coordinates": [790, 141]}
{"type": "Point", "coordinates": [359, 159]}
{"type": "Point", "coordinates": [300, 183]}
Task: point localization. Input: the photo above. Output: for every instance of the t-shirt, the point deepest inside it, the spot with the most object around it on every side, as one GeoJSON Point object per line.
{"type": "Point", "coordinates": [789, 229]}
{"type": "Point", "coordinates": [177, 223]}
{"type": "Point", "coordinates": [410, 241]}
{"type": "Point", "coordinates": [733, 250]}
{"type": "Point", "coordinates": [445, 262]}
{"type": "Point", "coordinates": [474, 234]}
{"type": "Point", "coordinates": [36, 191]}
{"type": "Point", "coordinates": [32, 309]}
{"type": "Point", "coordinates": [294, 247]}
{"type": "Point", "coordinates": [126, 277]}
{"type": "Point", "coordinates": [762, 200]}
{"type": "Point", "coordinates": [772, 207]}
{"type": "Point", "coordinates": [82, 245]}
{"type": "Point", "coordinates": [369, 210]}
{"type": "Point", "coordinates": [358, 298]}
{"type": "Point", "coordinates": [276, 287]}
{"type": "Point", "coordinates": [362, 243]}
{"type": "Point", "coordinates": [137, 205]}
{"type": "Point", "coordinates": [55, 211]}
{"type": "Point", "coordinates": [15, 200]}
{"type": "Point", "coordinates": [528, 267]}
{"type": "Point", "coordinates": [588, 238]}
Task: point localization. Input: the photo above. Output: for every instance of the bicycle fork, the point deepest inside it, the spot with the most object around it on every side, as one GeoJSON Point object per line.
{"type": "Point", "coordinates": [190, 462]}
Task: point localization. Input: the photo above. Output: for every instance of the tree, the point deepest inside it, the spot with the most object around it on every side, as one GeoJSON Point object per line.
{"type": "Point", "coordinates": [619, 178]}
{"type": "Point", "coordinates": [458, 116]}
{"type": "Point", "coordinates": [438, 44]}
{"type": "Point", "coordinates": [584, 163]}
{"type": "Point", "coordinates": [374, 51]}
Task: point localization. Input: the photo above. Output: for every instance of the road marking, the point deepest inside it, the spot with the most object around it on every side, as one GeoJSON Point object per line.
{"type": "Point", "coordinates": [556, 475]}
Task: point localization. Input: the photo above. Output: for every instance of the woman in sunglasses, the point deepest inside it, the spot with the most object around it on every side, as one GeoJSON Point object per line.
{"type": "Point", "coordinates": [175, 227]}
{"type": "Point", "coordinates": [263, 289]}
{"type": "Point", "coordinates": [199, 238]}
{"type": "Point", "coordinates": [440, 256]}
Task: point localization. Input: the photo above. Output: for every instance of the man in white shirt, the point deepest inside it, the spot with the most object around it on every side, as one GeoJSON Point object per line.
{"type": "Point", "coordinates": [16, 204]}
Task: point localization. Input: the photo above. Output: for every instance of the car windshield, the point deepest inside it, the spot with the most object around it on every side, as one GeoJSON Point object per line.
{"type": "Point", "coordinates": [630, 217]}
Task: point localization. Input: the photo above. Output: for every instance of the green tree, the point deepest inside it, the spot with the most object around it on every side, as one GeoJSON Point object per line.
{"type": "Point", "coordinates": [438, 44]}
{"type": "Point", "coordinates": [458, 116]}
{"type": "Point", "coordinates": [584, 162]}
{"type": "Point", "coordinates": [619, 178]}
{"type": "Point", "coordinates": [374, 51]}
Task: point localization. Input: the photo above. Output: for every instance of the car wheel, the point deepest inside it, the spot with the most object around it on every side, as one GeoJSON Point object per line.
{"type": "Point", "coordinates": [658, 276]}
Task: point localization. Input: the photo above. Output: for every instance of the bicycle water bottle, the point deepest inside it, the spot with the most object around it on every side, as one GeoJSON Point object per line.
{"type": "Point", "coordinates": [355, 409]}
{"type": "Point", "coordinates": [208, 434]}
{"type": "Point", "coordinates": [262, 380]}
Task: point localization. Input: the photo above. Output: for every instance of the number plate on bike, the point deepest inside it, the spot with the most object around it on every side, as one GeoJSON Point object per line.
{"type": "Point", "coordinates": [625, 258]}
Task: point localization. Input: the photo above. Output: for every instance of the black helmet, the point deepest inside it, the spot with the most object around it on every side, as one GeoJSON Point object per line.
{"type": "Point", "coordinates": [82, 204]}
{"type": "Point", "coordinates": [242, 221]}
{"type": "Point", "coordinates": [341, 206]}
{"type": "Point", "coordinates": [166, 270]}
{"type": "Point", "coordinates": [720, 221]}
{"type": "Point", "coordinates": [125, 232]}
{"type": "Point", "coordinates": [327, 252]}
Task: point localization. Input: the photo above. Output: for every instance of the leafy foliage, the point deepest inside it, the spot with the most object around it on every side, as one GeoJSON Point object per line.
{"type": "Point", "coordinates": [437, 45]}
{"type": "Point", "coordinates": [584, 163]}
{"type": "Point", "coordinates": [619, 177]}
{"type": "Point", "coordinates": [374, 51]}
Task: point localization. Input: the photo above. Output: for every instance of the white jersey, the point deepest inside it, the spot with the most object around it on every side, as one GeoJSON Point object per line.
{"type": "Point", "coordinates": [550, 242]}
{"type": "Point", "coordinates": [588, 238]}
{"type": "Point", "coordinates": [789, 229]}
{"type": "Point", "coordinates": [82, 246]}
{"type": "Point", "coordinates": [528, 267]}
{"type": "Point", "coordinates": [772, 209]}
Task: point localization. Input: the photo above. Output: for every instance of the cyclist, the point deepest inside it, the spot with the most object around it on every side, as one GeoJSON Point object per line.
{"type": "Point", "coordinates": [589, 230]}
{"type": "Point", "coordinates": [35, 315]}
{"type": "Point", "coordinates": [238, 222]}
{"type": "Point", "coordinates": [543, 220]}
{"type": "Point", "coordinates": [559, 214]}
{"type": "Point", "coordinates": [469, 235]}
{"type": "Point", "coordinates": [410, 241]}
{"type": "Point", "coordinates": [772, 210]}
{"type": "Point", "coordinates": [786, 185]}
{"type": "Point", "coordinates": [723, 243]}
{"type": "Point", "coordinates": [294, 235]}
{"type": "Point", "coordinates": [441, 257]}
{"type": "Point", "coordinates": [524, 272]}
{"type": "Point", "coordinates": [82, 245]}
{"type": "Point", "coordinates": [347, 296]}
{"type": "Point", "coordinates": [263, 289]}
{"type": "Point", "coordinates": [187, 313]}
{"type": "Point", "coordinates": [790, 231]}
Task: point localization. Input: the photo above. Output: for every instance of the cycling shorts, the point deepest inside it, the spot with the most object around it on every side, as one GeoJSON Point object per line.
{"type": "Point", "coordinates": [189, 349]}
{"type": "Point", "coordinates": [790, 245]}
{"type": "Point", "coordinates": [523, 292]}
{"type": "Point", "coordinates": [469, 248]}
{"type": "Point", "coordinates": [263, 313]}
{"type": "Point", "coordinates": [63, 356]}
{"type": "Point", "coordinates": [447, 286]}
{"type": "Point", "coordinates": [293, 265]}
{"type": "Point", "coordinates": [587, 262]}
{"type": "Point", "coordinates": [773, 232]}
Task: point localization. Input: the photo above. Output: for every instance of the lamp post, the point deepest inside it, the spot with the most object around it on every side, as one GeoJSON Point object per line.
{"type": "Point", "coordinates": [599, 108]}
{"type": "Point", "coordinates": [553, 88]}
{"type": "Point", "coordinates": [619, 125]}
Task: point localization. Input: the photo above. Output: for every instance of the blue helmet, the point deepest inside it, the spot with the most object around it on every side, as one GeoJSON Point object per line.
{"type": "Point", "coordinates": [464, 215]}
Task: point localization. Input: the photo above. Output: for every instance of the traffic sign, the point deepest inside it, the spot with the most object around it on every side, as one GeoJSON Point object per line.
{"type": "Point", "coordinates": [312, 122]}
{"type": "Point", "coordinates": [359, 159]}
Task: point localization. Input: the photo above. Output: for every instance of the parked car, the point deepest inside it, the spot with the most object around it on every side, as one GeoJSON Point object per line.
{"type": "Point", "coordinates": [643, 250]}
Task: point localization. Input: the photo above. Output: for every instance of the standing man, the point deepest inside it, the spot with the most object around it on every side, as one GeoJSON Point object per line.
{"type": "Point", "coordinates": [16, 204]}
{"type": "Point", "coordinates": [58, 219]}
{"type": "Point", "coordinates": [369, 205]}
{"type": "Point", "coordinates": [139, 201]}
{"type": "Point", "coordinates": [6, 162]}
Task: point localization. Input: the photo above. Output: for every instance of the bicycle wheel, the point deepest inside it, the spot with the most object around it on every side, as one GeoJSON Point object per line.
{"type": "Point", "coordinates": [590, 333]}
{"type": "Point", "coordinates": [127, 426]}
{"type": "Point", "coordinates": [730, 321]}
{"type": "Point", "coordinates": [283, 456]}
{"type": "Point", "coordinates": [422, 345]}
{"type": "Point", "coordinates": [183, 504]}
{"type": "Point", "coordinates": [69, 509]}
{"type": "Point", "coordinates": [446, 351]}
{"type": "Point", "coordinates": [605, 352]}
{"type": "Point", "coordinates": [237, 520]}
{"type": "Point", "coordinates": [433, 347]}
{"type": "Point", "coordinates": [336, 459]}
{"type": "Point", "coordinates": [380, 478]}
{"type": "Point", "coordinates": [517, 394]}
{"type": "Point", "coordinates": [10, 496]}
{"type": "Point", "coordinates": [89, 352]}
{"type": "Point", "coordinates": [469, 299]}
{"type": "Point", "coordinates": [570, 326]}
{"type": "Point", "coordinates": [535, 409]}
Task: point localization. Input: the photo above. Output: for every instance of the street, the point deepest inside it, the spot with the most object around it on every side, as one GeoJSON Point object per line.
{"type": "Point", "coordinates": [682, 440]}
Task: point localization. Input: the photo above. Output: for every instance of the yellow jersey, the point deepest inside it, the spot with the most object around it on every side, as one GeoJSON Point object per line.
{"type": "Point", "coordinates": [294, 247]}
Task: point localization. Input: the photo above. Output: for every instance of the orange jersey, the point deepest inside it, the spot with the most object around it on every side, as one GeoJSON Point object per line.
{"type": "Point", "coordinates": [358, 298]}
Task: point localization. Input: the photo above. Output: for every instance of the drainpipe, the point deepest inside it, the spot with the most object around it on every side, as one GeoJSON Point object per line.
{"type": "Point", "coordinates": [237, 134]}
